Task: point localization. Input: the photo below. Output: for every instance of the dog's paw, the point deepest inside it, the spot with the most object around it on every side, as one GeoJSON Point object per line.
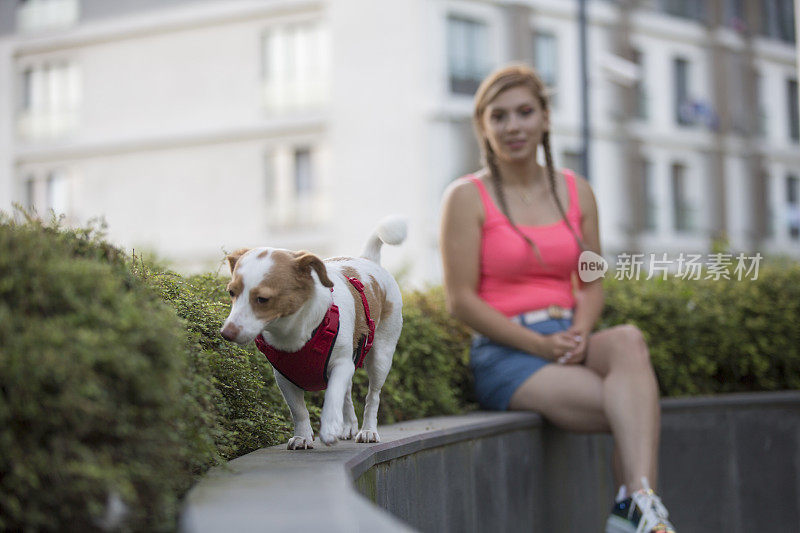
{"type": "Point", "coordinates": [300, 443]}
{"type": "Point", "coordinates": [328, 437]}
{"type": "Point", "coordinates": [330, 429]}
{"type": "Point", "coordinates": [366, 435]}
{"type": "Point", "coordinates": [349, 430]}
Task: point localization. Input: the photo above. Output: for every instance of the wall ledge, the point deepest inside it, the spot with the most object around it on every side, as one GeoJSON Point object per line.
{"type": "Point", "coordinates": [280, 488]}
{"type": "Point", "coordinates": [717, 452]}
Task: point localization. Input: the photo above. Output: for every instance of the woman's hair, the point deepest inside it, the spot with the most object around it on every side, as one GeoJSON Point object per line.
{"type": "Point", "coordinates": [515, 75]}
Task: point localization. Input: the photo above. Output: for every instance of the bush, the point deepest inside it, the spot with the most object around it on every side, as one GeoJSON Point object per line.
{"type": "Point", "coordinates": [107, 394]}
{"type": "Point", "coordinates": [709, 337]}
{"type": "Point", "coordinates": [95, 403]}
{"type": "Point", "coordinates": [243, 399]}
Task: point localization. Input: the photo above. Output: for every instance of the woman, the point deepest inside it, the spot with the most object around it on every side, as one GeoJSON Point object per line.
{"type": "Point", "coordinates": [511, 235]}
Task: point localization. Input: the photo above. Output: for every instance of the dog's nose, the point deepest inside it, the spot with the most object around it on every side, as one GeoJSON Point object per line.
{"type": "Point", "coordinates": [229, 332]}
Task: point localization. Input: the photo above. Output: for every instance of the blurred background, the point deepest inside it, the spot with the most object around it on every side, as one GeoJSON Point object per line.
{"type": "Point", "coordinates": [196, 127]}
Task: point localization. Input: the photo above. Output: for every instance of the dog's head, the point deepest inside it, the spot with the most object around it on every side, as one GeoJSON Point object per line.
{"type": "Point", "coordinates": [267, 284]}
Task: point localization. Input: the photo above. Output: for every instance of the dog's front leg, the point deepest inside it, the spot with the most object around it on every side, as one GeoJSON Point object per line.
{"type": "Point", "coordinates": [339, 378]}
{"type": "Point", "coordinates": [294, 396]}
{"type": "Point", "coordinates": [350, 421]}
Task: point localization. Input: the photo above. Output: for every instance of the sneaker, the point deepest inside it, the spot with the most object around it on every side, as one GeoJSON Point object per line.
{"type": "Point", "coordinates": [642, 512]}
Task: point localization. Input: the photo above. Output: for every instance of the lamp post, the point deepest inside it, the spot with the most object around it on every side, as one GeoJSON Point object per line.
{"type": "Point", "coordinates": [585, 160]}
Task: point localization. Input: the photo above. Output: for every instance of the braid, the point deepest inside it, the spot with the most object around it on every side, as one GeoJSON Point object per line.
{"type": "Point", "coordinates": [551, 173]}
{"type": "Point", "coordinates": [497, 183]}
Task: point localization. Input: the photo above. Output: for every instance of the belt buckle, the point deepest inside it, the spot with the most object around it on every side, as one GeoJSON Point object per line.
{"type": "Point", "coordinates": [556, 312]}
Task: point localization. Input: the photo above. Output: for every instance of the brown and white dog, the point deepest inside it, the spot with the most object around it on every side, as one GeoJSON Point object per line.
{"type": "Point", "coordinates": [283, 296]}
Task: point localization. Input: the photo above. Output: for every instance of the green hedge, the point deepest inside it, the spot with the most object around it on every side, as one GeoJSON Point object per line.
{"type": "Point", "coordinates": [708, 336]}
{"type": "Point", "coordinates": [242, 402]}
{"type": "Point", "coordinates": [115, 382]}
{"type": "Point", "coordinates": [96, 402]}
{"type": "Point", "coordinates": [116, 385]}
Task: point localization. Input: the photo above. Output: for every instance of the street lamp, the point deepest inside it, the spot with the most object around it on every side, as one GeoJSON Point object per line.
{"type": "Point", "coordinates": [584, 89]}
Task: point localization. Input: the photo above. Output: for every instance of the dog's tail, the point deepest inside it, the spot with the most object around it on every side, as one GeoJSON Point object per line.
{"type": "Point", "coordinates": [391, 230]}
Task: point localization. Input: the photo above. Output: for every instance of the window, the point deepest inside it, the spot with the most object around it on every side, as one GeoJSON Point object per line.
{"type": "Point", "coordinates": [737, 72]}
{"type": "Point", "coordinates": [791, 94]}
{"type": "Point", "coordinates": [292, 183]}
{"type": "Point", "coordinates": [303, 177]}
{"type": "Point", "coordinates": [467, 54]}
{"type": "Point", "coordinates": [49, 101]}
{"type": "Point", "coordinates": [688, 9]}
{"type": "Point", "coordinates": [761, 110]}
{"type": "Point", "coordinates": [30, 193]}
{"type": "Point", "coordinates": [777, 20]}
{"type": "Point", "coordinates": [682, 103]}
{"type": "Point", "coordinates": [640, 93]}
{"type": "Point", "coordinates": [545, 53]}
{"type": "Point", "coordinates": [793, 206]}
{"type": "Point", "coordinates": [735, 15]}
{"type": "Point", "coordinates": [50, 192]}
{"type": "Point", "coordinates": [270, 183]}
{"type": "Point", "coordinates": [58, 192]}
{"type": "Point", "coordinates": [649, 197]}
{"type": "Point", "coordinates": [35, 15]}
{"type": "Point", "coordinates": [295, 67]}
{"type": "Point", "coordinates": [681, 208]}
{"type": "Point", "coordinates": [765, 203]}
{"type": "Point", "coordinates": [26, 95]}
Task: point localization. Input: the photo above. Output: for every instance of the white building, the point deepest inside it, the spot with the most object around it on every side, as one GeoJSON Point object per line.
{"type": "Point", "coordinates": [197, 126]}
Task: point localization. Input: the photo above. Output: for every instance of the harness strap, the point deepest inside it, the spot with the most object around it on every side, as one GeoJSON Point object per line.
{"type": "Point", "coordinates": [323, 340]}
{"type": "Point", "coordinates": [370, 323]}
{"type": "Point", "coordinates": [308, 367]}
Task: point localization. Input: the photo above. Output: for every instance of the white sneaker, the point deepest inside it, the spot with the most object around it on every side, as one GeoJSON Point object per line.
{"type": "Point", "coordinates": [643, 512]}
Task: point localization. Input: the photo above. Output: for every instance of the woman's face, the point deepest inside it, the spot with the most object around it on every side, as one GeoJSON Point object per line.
{"type": "Point", "coordinates": [513, 123]}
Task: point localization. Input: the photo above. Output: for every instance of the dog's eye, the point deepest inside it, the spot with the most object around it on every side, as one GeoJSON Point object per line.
{"type": "Point", "coordinates": [233, 294]}
{"type": "Point", "coordinates": [262, 300]}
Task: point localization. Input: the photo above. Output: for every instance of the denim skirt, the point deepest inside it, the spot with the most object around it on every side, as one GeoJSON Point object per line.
{"type": "Point", "coordinates": [499, 370]}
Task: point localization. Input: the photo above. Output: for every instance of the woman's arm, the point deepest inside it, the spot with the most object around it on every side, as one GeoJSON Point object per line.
{"type": "Point", "coordinates": [589, 297]}
{"type": "Point", "coordinates": [460, 244]}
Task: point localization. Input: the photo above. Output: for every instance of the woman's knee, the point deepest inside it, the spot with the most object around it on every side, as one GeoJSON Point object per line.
{"type": "Point", "coordinates": [632, 346]}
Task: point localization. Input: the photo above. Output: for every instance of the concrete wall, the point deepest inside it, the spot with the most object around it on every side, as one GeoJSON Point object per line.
{"type": "Point", "coordinates": [481, 483]}
{"type": "Point", "coordinates": [728, 463]}
{"type": "Point", "coordinates": [732, 463]}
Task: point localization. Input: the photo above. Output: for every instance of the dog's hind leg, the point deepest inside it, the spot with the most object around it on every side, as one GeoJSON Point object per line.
{"type": "Point", "coordinates": [377, 363]}
{"type": "Point", "coordinates": [350, 426]}
{"type": "Point", "coordinates": [294, 396]}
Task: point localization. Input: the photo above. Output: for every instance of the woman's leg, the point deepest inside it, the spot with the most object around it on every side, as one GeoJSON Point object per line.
{"type": "Point", "coordinates": [615, 391]}
{"type": "Point", "coordinates": [571, 397]}
{"type": "Point", "coordinates": [630, 399]}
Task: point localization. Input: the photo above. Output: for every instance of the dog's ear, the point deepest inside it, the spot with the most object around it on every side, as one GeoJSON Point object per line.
{"type": "Point", "coordinates": [234, 257]}
{"type": "Point", "coordinates": [305, 260]}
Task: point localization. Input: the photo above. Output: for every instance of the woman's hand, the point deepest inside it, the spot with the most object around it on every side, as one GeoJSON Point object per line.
{"type": "Point", "coordinates": [578, 354]}
{"type": "Point", "coordinates": [564, 347]}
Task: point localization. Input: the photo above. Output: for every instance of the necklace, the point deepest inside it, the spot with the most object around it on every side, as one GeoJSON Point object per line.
{"type": "Point", "coordinates": [525, 193]}
{"type": "Point", "coordinates": [527, 197]}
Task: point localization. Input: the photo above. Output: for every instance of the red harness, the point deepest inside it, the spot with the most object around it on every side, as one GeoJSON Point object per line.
{"type": "Point", "coordinates": [308, 367]}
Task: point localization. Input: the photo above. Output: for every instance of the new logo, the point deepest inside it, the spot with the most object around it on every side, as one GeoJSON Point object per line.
{"type": "Point", "coordinates": [591, 266]}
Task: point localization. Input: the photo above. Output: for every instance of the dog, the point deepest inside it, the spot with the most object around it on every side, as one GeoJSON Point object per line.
{"type": "Point", "coordinates": [285, 302]}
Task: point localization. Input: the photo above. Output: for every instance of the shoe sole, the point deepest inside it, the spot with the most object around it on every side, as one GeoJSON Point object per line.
{"type": "Point", "coordinates": [617, 524]}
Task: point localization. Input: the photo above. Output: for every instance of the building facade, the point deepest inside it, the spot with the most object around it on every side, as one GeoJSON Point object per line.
{"type": "Point", "coordinates": [200, 126]}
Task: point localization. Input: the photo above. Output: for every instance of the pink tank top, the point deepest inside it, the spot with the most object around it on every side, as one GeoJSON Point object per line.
{"type": "Point", "coordinates": [512, 279]}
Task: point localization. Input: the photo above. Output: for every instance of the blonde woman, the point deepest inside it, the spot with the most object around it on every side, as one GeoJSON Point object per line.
{"type": "Point", "coordinates": [511, 235]}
